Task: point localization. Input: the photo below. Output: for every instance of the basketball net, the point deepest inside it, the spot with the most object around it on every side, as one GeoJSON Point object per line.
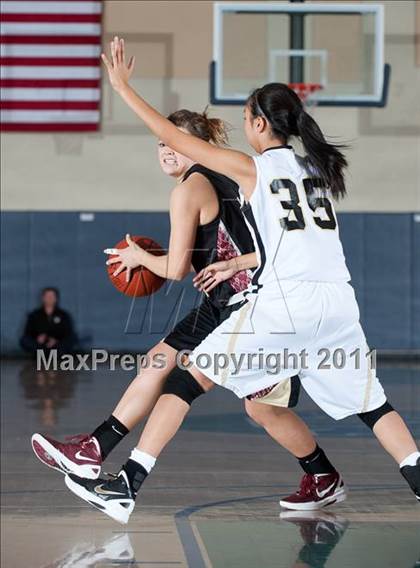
{"type": "Point", "coordinates": [305, 91]}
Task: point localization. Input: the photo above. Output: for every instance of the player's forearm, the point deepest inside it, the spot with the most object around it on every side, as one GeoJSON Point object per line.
{"type": "Point", "coordinates": [156, 122]}
{"type": "Point", "coordinates": [159, 265]}
{"type": "Point", "coordinates": [244, 261]}
{"type": "Point", "coordinates": [195, 148]}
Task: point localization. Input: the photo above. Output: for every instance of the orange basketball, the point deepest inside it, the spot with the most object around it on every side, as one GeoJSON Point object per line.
{"type": "Point", "coordinates": [142, 281]}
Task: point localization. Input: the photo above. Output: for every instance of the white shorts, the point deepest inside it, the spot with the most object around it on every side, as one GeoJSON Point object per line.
{"type": "Point", "coordinates": [310, 329]}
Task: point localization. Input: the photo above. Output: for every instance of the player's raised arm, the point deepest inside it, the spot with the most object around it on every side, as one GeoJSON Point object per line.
{"type": "Point", "coordinates": [234, 164]}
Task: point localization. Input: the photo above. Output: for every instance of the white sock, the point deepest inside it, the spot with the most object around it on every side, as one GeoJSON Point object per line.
{"type": "Point", "coordinates": [144, 459]}
{"type": "Point", "coordinates": [411, 459]}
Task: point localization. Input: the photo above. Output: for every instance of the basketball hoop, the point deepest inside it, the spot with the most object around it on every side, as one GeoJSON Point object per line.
{"type": "Point", "coordinates": [305, 90]}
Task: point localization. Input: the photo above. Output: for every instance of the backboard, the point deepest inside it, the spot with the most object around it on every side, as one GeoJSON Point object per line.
{"type": "Point", "coordinates": [339, 47]}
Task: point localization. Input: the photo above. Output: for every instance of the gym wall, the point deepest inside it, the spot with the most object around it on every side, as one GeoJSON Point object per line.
{"type": "Point", "coordinates": [117, 170]}
{"type": "Point", "coordinates": [48, 180]}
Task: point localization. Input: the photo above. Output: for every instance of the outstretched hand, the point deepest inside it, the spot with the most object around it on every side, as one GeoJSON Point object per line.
{"type": "Point", "coordinates": [119, 71]}
{"type": "Point", "coordinates": [213, 274]}
{"type": "Point", "coordinates": [129, 257]}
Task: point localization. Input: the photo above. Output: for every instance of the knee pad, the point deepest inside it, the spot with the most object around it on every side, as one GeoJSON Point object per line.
{"type": "Point", "coordinates": [183, 385]}
{"type": "Point", "coordinates": [371, 418]}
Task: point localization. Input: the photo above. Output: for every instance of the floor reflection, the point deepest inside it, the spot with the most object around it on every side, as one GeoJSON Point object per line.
{"type": "Point", "coordinates": [321, 531]}
{"type": "Point", "coordinates": [117, 550]}
{"type": "Point", "coordinates": [48, 391]}
{"type": "Point", "coordinates": [344, 538]}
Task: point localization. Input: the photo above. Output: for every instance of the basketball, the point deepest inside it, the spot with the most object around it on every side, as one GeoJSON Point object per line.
{"type": "Point", "coordinates": [142, 282]}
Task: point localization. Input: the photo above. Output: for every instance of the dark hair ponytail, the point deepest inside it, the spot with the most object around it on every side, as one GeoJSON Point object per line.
{"type": "Point", "coordinates": [284, 111]}
{"type": "Point", "coordinates": [213, 130]}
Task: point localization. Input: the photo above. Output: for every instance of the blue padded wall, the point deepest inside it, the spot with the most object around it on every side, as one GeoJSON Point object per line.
{"type": "Point", "coordinates": [388, 294]}
{"type": "Point", "coordinates": [415, 281]}
{"type": "Point", "coordinates": [352, 234]}
{"type": "Point", "coordinates": [58, 249]}
{"type": "Point", "coordinates": [15, 276]}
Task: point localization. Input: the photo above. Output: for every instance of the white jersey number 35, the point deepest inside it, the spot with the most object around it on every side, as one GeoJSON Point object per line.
{"type": "Point", "coordinates": [314, 202]}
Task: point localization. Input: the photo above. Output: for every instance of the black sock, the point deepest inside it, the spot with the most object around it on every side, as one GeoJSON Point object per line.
{"type": "Point", "coordinates": [136, 475]}
{"type": "Point", "coordinates": [316, 462]}
{"type": "Point", "coordinates": [109, 434]}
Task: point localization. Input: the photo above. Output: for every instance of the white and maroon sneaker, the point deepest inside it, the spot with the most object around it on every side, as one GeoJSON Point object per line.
{"type": "Point", "coordinates": [316, 491]}
{"type": "Point", "coordinates": [80, 454]}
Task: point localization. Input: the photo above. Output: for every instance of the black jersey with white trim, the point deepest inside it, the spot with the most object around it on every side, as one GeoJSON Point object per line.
{"type": "Point", "coordinates": [226, 237]}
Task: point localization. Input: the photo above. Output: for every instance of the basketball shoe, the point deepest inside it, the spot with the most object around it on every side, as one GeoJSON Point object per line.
{"type": "Point", "coordinates": [80, 454]}
{"type": "Point", "coordinates": [411, 474]}
{"type": "Point", "coordinates": [316, 491]}
{"type": "Point", "coordinates": [113, 496]}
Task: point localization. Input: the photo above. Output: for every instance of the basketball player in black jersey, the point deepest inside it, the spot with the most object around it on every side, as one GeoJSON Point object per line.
{"type": "Point", "coordinates": [206, 226]}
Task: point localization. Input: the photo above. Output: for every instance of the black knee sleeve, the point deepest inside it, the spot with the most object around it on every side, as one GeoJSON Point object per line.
{"type": "Point", "coordinates": [371, 418]}
{"type": "Point", "coordinates": [183, 385]}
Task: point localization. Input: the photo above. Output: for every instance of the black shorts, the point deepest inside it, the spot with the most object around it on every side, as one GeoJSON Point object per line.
{"type": "Point", "coordinates": [198, 324]}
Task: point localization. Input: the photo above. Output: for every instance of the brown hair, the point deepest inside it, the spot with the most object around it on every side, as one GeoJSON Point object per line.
{"type": "Point", "coordinates": [213, 130]}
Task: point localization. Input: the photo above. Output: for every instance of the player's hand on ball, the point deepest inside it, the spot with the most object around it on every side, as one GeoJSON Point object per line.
{"type": "Point", "coordinates": [119, 71]}
{"type": "Point", "coordinates": [128, 257]}
{"type": "Point", "coordinates": [213, 274]}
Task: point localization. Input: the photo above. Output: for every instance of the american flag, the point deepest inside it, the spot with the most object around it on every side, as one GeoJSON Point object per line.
{"type": "Point", "coordinates": [50, 65]}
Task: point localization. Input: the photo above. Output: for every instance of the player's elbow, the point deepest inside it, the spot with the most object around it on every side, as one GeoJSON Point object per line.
{"type": "Point", "coordinates": [178, 274]}
{"type": "Point", "coordinates": [177, 277]}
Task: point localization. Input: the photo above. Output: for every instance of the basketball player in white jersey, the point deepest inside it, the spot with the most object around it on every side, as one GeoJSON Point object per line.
{"type": "Point", "coordinates": [300, 300]}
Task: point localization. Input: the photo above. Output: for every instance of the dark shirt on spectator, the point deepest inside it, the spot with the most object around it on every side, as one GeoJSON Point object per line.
{"type": "Point", "coordinates": [58, 326]}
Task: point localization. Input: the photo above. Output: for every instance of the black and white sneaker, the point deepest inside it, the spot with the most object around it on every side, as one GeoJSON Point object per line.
{"type": "Point", "coordinates": [411, 474]}
{"type": "Point", "coordinates": [113, 497]}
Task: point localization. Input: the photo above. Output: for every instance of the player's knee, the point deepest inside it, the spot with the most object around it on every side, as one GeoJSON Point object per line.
{"type": "Point", "coordinates": [205, 383]}
{"type": "Point", "coordinates": [143, 374]}
{"type": "Point", "coordinates": [182, 384]}
{"type": "Point", "coordinates": [256, 411]}
{"type": "Point", "coordinates": [371, 418]}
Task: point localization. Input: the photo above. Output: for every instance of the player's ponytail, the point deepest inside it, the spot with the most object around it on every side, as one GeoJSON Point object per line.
{"type": "Point", "coordinates": [325, 158]}
{"type": "Point", "coordinates": [213, 130]}
{"type": "Point", "coordinates": [218, 130]}
{"type": "Point", "coordinates": [284, 111]}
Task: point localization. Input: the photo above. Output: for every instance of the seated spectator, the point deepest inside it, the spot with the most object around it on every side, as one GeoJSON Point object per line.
{"type": "Point", "coordinates": [48, 327]}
